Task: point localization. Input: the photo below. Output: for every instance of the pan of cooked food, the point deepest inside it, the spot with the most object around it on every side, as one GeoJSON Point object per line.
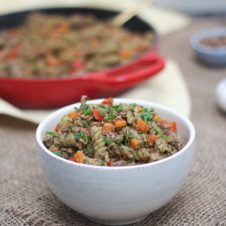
{"type": "Point", "coordinates": [50, 57]}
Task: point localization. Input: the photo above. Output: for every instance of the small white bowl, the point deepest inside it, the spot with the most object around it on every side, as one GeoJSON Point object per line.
{"type": "Point", "coordinates": [117, 195]}
{"type": "Point", "coordinates": [220, 94]}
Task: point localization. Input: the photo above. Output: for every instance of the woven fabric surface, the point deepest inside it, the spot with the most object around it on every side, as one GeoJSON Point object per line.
{"type": "Point", "coordinates": [26, 200]}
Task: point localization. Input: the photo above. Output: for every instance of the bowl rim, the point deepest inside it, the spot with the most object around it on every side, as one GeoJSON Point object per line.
{"type": "Point", "coordinates": [207, 33]}
{"type": "Point", "coordinates": [67, 108]}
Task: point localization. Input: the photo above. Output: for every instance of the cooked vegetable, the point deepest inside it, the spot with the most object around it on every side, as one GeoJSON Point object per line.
{"type": "Point", "coordinates": [97, 115]}
{"type": "Point", "coordinates": [142, 126]}
{"type": "Point", "coordinates": [120, 123]}
{"type": "Point", "coordinates": [135, 135]}
{"type": "Point", "coordinates": [79, 157]}
{"type": "Point", "coordinates": [108, 127]}
{"type": "Point", "coordinates": [54, 46]}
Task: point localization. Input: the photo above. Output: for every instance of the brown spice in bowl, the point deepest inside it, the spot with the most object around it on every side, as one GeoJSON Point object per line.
{"type": "Point", "coordinates": [214, 42]}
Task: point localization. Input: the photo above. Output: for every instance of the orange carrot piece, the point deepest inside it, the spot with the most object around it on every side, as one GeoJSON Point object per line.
{"type": "Point", "coordinates": [108, 127]}
{"type": "Point", "coordinates": [126, 54]}
{"type": "Point", "coordinates": [74, 115]}
{"type": "Point", "coordinates": [142, 126]}
{"type": "Point", "coordinates": [108, 101]}
{"type": "Point", "coordinates": [173, 127]}
{"type": "Point", "coordinates": [152, 138]}
{"type": "Point", "coordinates": [52, 61]}
{"type": "Point", "coordinates": [157, 118]}
{"type": "Point", "coordinates": [120, 123]}
{"type": "Point", "coordinates": [164, 123]}
{"type": "Point", "coordinates": [134, 143]}
{"type": "Point", "coordinates": [79, 157]}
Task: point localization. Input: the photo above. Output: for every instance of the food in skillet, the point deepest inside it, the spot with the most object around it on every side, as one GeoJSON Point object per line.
{"type": "Point", "coordinates": [113, 135]}
{"type": "Point", "coordinates": [53, 46]}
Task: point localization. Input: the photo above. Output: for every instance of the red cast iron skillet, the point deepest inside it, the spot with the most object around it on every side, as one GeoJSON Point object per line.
{"type": "Point", "coordinates": [54, 93]}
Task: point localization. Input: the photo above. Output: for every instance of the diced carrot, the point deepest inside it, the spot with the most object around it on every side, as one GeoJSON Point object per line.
{"type": "Point", "coordinates": [120, 123]}
{"type": "Point", "coordinates": [63, 27]}
{"type": "Point", "coordinates": [157, 118]}
{"type": "Point", "coordinates": [164, 123]}
{"type": "Point", "coordinates": [59, 30]}
{"type": "Point", "coordinates": [142, 126]}
{"type": "Point", "coordinates": [107, 101]}
{"type": "Point", "coordinates": [140, 48]}
{"type": "Point", "coordinates": [152, 138]}
{"type": "Point", "coordinates": [108, 127]}
{"type": "Point", "coordinates": [134, 143]}
{"type": "Point", "coordinates": [97, 115]}
{"type": "Point", "coordinates": [173, 126]}
{"type": "Point", "coordinates": [52, 61]}
{"type": "Point", "coordinates": [126, 54]}
{"type": "Point", "coordinates": [74, 115]}
{"type": "Point", "coordinates": [13, 52]}
{"type": "Point", "coordinates": [79, 157]}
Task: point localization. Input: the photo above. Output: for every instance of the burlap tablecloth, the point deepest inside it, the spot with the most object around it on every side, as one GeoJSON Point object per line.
{"type": "Point", "coordinates": [26, 200]}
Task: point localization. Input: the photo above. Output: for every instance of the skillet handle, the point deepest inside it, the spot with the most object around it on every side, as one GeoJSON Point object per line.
{"type": "Point", "coordinates": [128, 75]}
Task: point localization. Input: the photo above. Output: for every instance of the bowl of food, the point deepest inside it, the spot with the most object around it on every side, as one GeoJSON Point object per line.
{"type": "Point", "coordinates": [115, 161]}
{"type": "Point", "coordinates": [73, 51]}
{"type": "Point", "coordinates": [210, 45]}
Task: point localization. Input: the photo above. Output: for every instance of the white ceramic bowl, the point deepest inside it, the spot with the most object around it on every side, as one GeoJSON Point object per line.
{"type": "Point", "coordinates": [117, 195]}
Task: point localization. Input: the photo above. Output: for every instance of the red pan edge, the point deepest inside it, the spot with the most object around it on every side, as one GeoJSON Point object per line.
{"type": "Point", "coordinates": [54, 93]}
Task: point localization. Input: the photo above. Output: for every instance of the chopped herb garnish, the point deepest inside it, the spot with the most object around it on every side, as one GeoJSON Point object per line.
{"type": "Point", "coordinates": [85, 124]}
{"type": "Point", "coordinates": [102, 111]}
{"type": "Point", "coordinates": [107, 140]}
{"type": "Point", "coordinates": [52, 134]}
{"type": "Point", "coordinates": [86, 110]}
{"type": "Point", "coordinates": [146, 114]}
{"type": "Point", "coordinates": [58, 153]}
{"type": "Point", "coordinates": [79, 135]}
{"type": "Point", "coordinates": [65, 135]}
{"type": "Point", "coordinates": [130, 161]}
{"type": "Point", "coordinates": [118, 141]}
{"type": "Point", "coordinates": [118, 108]}
{"type": "Point", "coordinates": [109, 117]}
{"type": "Point", "coordinates": [133, 105]}
{"type": "Point", "coordinates": [89, 148]}
{"type": "Point", "coordinates": [157, 130]}
{"type": "Point", "coordinates": [102, 163]}
{"type": "Point", "coordinates": [129, 135]}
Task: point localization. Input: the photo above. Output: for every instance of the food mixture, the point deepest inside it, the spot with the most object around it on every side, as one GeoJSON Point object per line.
{"type": "Point", "coordinates": [53, 46]}
{"type": "Point", "coordinates": [214, 42]}
{"type": "Point", "coordinates": [110, 134]}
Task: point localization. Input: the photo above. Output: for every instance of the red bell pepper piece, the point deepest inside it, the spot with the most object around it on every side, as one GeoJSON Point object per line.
{"type": "Point", "coordinates": [97, 115]}
{"type": "Point", "coordinates": [108, 101]}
